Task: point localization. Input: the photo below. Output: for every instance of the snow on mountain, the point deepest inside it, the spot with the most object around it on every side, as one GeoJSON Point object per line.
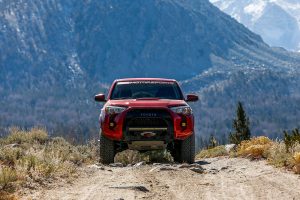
{"type": "Point", "coordinates": [56, 54]}
{"type": "Point", "coordinates": [277, 21]}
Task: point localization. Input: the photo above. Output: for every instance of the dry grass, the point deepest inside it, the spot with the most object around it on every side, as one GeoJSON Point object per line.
{"type": "Point", "coordinates": [7, 176]}
{"type": "Point", "coordinates": [31, 156]}
{"type": "Point", "coordinates": [276, 152]}
{"type": "Point", "coordinates": [296, 160]}
{"type": "Point", "coordinates": [213, 152]}
{"type": "Point", "coordinates": [7, 196]}
{"type": "Point", "coordinates": [278, 156]}
{"type": "Point", "coordinates": [255, 147]}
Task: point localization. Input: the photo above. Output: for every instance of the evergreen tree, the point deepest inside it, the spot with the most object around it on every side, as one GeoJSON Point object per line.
{"type": "Point", "coordinates": [241, 126]}
{"type": "Point", "coordinates": [212, 142]}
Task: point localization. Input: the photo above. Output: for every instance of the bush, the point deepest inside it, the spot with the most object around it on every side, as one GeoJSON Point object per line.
{"type": "Point", "coordinates": [4, 195]}
{"type": "Point", "coordinates": [213, 152]}
{"type": "Point", "coordinates": [160, 156]}
{"type": "Point", "coordinates": [17, 136]}
{"type": "Point", "coordinates": [278, 156]}
{"type": "Point", "coordinates": [256, 147]}
{"type": "Point", "coordinates": [129, 157]}
{"type": "Point", "coordinates": [7, 176]}
{"type": "Point", "coordinates": [292, 139]}
{"type": "Point", "coordinates": [296, 157]}
{"type": "Point", "coordinates": [9, 156]}
{"type": "Point", "coordinates": [33, 156]}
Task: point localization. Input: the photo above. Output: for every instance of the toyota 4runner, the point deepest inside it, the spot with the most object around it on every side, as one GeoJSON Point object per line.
{"type": "Point", "coordinates": [146, 114]}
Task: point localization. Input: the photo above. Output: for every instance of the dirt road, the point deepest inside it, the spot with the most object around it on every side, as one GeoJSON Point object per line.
{"type": "Point", "coordinates": [222, 178]}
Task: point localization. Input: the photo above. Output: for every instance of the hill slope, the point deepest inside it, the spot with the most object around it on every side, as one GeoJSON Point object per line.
{"type": "Point", "coordinates": [56, 55]}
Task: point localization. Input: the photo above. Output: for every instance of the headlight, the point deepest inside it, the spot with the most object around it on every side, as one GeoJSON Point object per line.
{"type": "Point", "coordinates": [111, 110]}
{"type": "Point", "coordinates": [185, 110]}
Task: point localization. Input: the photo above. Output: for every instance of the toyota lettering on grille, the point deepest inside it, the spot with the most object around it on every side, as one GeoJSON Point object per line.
{"type": "Point", "coordinates": [148, 114]}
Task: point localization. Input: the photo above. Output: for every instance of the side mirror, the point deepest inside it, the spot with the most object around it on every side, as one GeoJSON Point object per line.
{"type": "Point", "coordinates": [192, 98]}
{"type": "Point", "coordinates": [100, 98]}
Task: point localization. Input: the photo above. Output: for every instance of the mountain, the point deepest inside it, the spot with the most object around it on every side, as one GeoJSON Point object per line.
{"type": "Point", "coordinates": [55, 55]}
{"type": "Point", "coordinates": [277, 21]}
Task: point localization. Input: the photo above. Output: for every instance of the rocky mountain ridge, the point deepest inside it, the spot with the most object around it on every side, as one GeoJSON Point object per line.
{"type": "Point", "coordinates": [56, 55]}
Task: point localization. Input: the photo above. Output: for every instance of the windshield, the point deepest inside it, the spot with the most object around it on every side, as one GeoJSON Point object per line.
{"type": "Point", "coordinates": [146, 89]}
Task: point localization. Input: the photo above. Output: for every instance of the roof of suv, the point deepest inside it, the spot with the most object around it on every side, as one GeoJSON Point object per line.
{"type": "Point", "coordinates": [145, 79]}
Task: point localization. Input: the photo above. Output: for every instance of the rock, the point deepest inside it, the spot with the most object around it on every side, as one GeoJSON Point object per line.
{"type": "Point", "coordinates": [224, 168]}
{"type": "Point", "coordinates": [155, 164]}
{"type": "Point", "coordinates": [195, 165]}
{"type": "Point", "coordinates": [11, 146]}
{"type": "Point", "coordinates": [97, 167]}
{"type": "Point", "coordinates": [154, 169]}
{"type": "Point", "coordinates": [116, 165]}
{"type": "Point", "coordinates": [199, 170]}
{"type": "Point", "coordinates": [136, 188]}
{"type": "Point", "coordinates": [230, 147]}
{"type": "Point", "coordinates": [167, 168]}
{"type": "Point", "coordinates": [139, 164]}
{"type": "Point", "coordinates": [185, 165]}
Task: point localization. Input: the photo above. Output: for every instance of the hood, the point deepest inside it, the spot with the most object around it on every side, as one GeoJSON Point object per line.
{"type": "Point", "coordinates": [142, 103]}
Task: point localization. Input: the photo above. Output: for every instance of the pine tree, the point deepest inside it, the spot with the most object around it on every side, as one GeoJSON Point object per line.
{"type": "Point", "coordinates": [212, 142]}
{"type": "Point", "coordinates": [241, 126]}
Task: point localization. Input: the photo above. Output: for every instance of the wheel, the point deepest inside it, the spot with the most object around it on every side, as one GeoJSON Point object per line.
{"type": "Point", "coordinates": [107, 150]}
{"type": "Point", "coordinates": [184, 151]}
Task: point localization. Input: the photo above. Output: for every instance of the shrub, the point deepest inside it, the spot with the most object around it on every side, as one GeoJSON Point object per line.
{"type": "Point", "coordinates": [255, 147]}
{"type": "Point", "coordinates": [129, 157]}
{"type": "Point", "coordinates": [17, 136]}
{"type": "Point", "coordinates": [278, 156]}
{"type": "Point", "coordinates": [38, 135]}
{"type": "Point", "coordinates": [213, 152]}
{"type": "Point", "coordinates": [33, 156]}
{"type": "Point", "coordinates": [4, 195]}
{"type": "Point", "coordinates": [297, 162]}
{"type": "Point", "coordinates": [7, 176]}
{"type": "Point", "coordinates": [9, 156]}
{"type": "Point", "coordinates": [292, 139]}
{"type": "Point", "coordinates": [161, 156]}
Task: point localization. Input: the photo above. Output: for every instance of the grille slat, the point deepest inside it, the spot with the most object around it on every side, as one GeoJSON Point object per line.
{"type": "Point", "coordinates": [147, 122]}
{"type": "Point", "coordinates": [157, 121]}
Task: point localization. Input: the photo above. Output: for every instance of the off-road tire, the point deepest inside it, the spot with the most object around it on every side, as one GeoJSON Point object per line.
{"type": "Point", "coordinates": [107, 150]}
{"type": "Point", "coordinates": [184, 151]}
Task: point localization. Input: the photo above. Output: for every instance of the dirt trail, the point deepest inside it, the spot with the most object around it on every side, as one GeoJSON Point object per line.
{"type": "Point", "coordinates": [223, 178]}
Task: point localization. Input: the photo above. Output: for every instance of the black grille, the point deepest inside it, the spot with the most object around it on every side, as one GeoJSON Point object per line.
{"type": "Point", "coordinates": [147, 122]}
{"type": "Point", "coordinates": [159, 120]}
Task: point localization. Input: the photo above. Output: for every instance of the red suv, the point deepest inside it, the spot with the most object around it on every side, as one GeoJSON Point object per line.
{"type": "Point", "coordinates": [146, 114]}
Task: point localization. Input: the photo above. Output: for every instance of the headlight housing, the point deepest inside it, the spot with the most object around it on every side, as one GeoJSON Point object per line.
{"type": "Point", "coordinates": [111, 110]}
{"type": "Point", "coordinates": [185, 110]}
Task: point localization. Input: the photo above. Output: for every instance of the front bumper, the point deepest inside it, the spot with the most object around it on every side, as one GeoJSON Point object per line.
{"type": "Point", "coordinates": [131, 124]}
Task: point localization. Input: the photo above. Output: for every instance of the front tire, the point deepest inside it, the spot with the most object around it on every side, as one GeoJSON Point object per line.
{"type": "Point", "coordinates": [107, 150]}
{"type": "Point", "coordinates": [184, 151]}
